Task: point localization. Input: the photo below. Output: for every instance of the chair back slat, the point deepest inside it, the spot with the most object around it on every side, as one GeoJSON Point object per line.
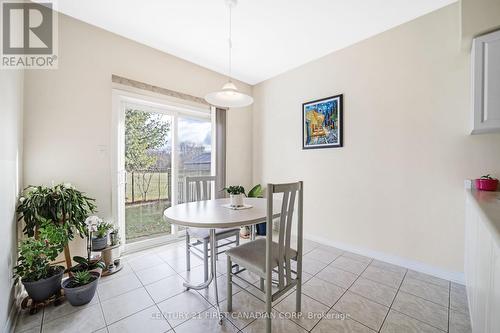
{"type": "Point", "coordinates": [199, 188]}
{"type": "Point", "coordinates": [289, 192]}
{"type": "Point", "coordinates": [281, 240]}
{"type": "Point", "coordinates": [288, 237]}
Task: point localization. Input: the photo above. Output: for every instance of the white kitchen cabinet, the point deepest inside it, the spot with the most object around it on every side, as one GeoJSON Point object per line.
{"type": "Point", "coordinates": [482, 260]}
{"type": "Point", "coordinates": [485, 61]}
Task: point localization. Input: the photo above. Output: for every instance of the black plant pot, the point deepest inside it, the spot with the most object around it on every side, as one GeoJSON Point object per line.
{"type": "Point", "coordinates": [99, 243]}
{"type": "Point", "coordinates": [43, 289]}
{"type": "Point", "coordinates": [80, 295]}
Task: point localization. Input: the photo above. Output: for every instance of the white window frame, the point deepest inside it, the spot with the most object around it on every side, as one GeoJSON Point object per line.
{"type": "Point", "coordinates": [121, 98]}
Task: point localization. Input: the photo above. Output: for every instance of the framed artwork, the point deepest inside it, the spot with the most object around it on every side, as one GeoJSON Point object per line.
{"type": "Point", "coordinates": [322, 123]}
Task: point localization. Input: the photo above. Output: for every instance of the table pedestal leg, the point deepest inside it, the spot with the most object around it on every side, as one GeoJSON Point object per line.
{"type": "Point", "coordinates": [213, 251]}
{"type": "Point", "coordinates": [213, 275]}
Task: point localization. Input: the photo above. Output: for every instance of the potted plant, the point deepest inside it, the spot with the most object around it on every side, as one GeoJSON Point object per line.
{"type": "Point", "coordinates": [41, 279]}
{"type": "Point", "coordinates": [80, 288]}
{"type": "Point", "coordinates": [60, 204]}
{"type": "Point", "coordinates": [84, 264]}
{"type": "Point", "coordinates": [258, 192]}
{"type": "Point", "coordinates": [236, 194]}
{"type": "Point", "coordinates": [100, 240]}
{"type": "Point", "coordinates": [114, 236]}
{"type": "Point", "coordinates": [486, 183]}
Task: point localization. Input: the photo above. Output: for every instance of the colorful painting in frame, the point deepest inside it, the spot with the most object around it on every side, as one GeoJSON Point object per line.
{"type": "Point", "coordinates": [322, 123]}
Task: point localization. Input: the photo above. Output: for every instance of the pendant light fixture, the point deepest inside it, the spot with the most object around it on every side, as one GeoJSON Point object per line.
{"type": "Point", "coordinates": [229, 96]}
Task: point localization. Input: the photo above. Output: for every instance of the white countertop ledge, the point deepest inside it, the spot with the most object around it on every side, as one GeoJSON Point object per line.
{"type": "Point", "coordinates": [488, 204]}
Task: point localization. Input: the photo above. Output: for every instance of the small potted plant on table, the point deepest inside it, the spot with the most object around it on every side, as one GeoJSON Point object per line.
{"type": "Point", "coordinates": [41, 279]}
{"type": "Point", "coordinates": [80, 288]}
{"type": "Point", "coordinates": [486, 183]}
{"type": "Point", "coordinates": [236, 194]}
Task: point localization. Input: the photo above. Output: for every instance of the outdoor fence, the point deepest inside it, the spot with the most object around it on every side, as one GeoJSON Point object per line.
{"type": "Point", "coordinates": [155, 185]}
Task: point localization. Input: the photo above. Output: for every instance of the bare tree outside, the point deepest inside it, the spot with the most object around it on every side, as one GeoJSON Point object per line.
{"type": "Point", "coordinates": [148, 156]}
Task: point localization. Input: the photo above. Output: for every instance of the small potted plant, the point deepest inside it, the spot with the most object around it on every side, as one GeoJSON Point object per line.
{"type": "Point", "coordinates": [100, 241]}
{"type": "Point", "coordinates": [486, 183]}
{"type": "Point", "coordinates": [258, 192]}
{"type": "Point", "coordinates": [236, 194]}
{"type": "Point", "coordinates": [80, 288]}
{"type": "Point", "coordinates": [114, 236]}
{"type": "Point", "coordinates": [85, 264]}
{"type": "Point", "coordinates": [41, 279]}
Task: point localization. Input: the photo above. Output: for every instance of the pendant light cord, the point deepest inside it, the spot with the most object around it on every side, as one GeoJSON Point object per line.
{"type": "Point", "coordinates": [230, 42]}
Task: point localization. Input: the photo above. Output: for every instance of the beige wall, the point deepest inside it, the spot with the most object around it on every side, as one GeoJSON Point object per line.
{"type": "Point", "coordinates": [479, 17]}
{"type": "Point", "coordinates": [11, 116]}
{"type": "Point", "coordinates": [397, 186]}
{"type": "Point", "coordinates": [68, 110]}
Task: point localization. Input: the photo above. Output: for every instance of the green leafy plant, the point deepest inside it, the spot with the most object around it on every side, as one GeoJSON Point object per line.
{"type": "Point", "coordinates": [488, 176]}
{"type": "Point", "coordinates": [81, 278]}
{"type": "Point", "coordinates": [256, 192]}
{"type": "Point", "coordinates": [61, 204]}
{"type": "Point", "coordinates": [86, 265]}
{"type": "Point", "coordinates": [35, 255]}
{"type": "Point", "coordinates": [103, 228]}
{"type": "Point", "coordinates": [234, 190]}
{"type": "Point", "coordinates": [115, 236]}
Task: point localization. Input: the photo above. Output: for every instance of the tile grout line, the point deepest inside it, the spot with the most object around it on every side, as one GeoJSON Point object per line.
{"type": "Point", "coordinates": [410, 316]}
{"type": "Point", "coordinates": [392, 303]}
{"type": "Point", "coordinates": [102, 311]}
{"type": "Point", "coordinates": [323, 317]}
{"type": "Point", "coordinates": [41, 322]}
{"type": "Point", "coordinates": [313, 275]}
{"type": "Point", "coordinates": [449, 305]}
{"type": "Point", "coordinates": [198, 293]}
{"type": "Point", "coordinates": [425, 299]}
{"type": "Point", "coordinates": [420, 321]}
{"type": "Point", "coordinates": [154, 302]}
{"type": "Point", "coordinates": [134, 313]}
{"type": "Point", "coordinates": [273, 307]}
{"type": "Point", "coordinates": [347, 289]}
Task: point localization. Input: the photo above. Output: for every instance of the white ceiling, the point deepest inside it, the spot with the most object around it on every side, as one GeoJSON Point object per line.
{"type": "Point", "coordinates": [269, 36]}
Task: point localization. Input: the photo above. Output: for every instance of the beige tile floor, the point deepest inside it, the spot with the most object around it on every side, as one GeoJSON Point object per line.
{"type": "Point", "coordinates": [342, 292]}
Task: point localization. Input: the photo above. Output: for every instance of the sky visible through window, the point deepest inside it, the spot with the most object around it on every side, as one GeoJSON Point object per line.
{"type": "Point", "coordinates": [192, 130]}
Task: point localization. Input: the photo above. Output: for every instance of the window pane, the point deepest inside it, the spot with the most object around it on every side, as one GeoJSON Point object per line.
{"type": "Point", "coordinates": [148, 166]}
{"type": "Point", "coordinates": [195, 150]}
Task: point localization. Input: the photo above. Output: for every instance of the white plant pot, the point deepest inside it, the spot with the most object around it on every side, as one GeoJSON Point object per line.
{"type": "Point", "coordinates": [236, 200]}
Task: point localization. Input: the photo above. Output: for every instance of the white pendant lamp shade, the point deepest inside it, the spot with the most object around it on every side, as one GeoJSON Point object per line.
{"type": "Point", "coordinates": [229, 97]}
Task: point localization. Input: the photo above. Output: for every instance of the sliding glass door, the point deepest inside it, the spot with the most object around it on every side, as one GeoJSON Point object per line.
{"type": "Point", "coordinates": [148, 167]}
{"type": "Point", "coordinates": [158, 146]}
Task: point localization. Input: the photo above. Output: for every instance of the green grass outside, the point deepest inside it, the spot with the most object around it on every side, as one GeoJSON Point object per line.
{"type": "Point", "coordinates": [144, 220]}
{"type": "Point", "coordinates": [157, 189]}
{"type": "Point", "coordinates": [144, 217]}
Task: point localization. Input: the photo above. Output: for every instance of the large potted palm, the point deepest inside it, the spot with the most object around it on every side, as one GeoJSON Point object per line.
{"type": "Point", "coordinates": [40, 278]}
{"type": "Point", "coordinates": [61, 204]}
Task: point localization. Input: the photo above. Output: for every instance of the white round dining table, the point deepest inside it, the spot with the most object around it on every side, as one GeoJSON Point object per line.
{"type": "Point", "coordinates": [214, 214]}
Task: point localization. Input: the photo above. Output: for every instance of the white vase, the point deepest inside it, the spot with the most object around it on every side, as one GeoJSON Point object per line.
{"type": "Point", "coordinates": [236, 200]}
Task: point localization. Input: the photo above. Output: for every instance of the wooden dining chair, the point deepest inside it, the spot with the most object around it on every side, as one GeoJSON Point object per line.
{"type": "Point", "coordinates": [197, 189]}
{"type": "Point", "coordinates": [265, 256]}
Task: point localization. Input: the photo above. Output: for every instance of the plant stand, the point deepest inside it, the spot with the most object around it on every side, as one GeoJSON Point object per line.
{"type": "Point", "coordinates": [107, 257]}
{"type": "Point", "coordinates": [34, 307]}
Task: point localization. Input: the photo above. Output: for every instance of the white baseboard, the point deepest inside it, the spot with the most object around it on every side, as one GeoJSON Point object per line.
{"type": "Point", "coordinates": [11, 319]}
{"type": "Point", "coordinates": [457, 277]}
